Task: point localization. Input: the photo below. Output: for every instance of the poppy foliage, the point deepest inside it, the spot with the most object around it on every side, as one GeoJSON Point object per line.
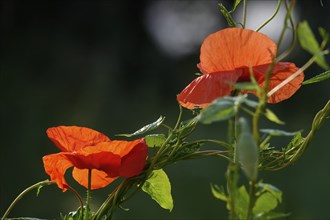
{"type": "Point", "coordinates": [226, 57]}
{"type": "Point", "coordinates": [86, 149]}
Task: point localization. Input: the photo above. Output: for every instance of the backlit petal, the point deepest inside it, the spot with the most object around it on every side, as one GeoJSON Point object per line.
{"type": "Point", "coordinates": [104, 161]}
{"type": "Point", "coordinates": [233, 48]}
{"type": "Point", "coordinates": [55, 166]}
{"type": "Point", "coordinates": [99, 178]}
{"type": "Point", "coordinates": [206, 88]}
{"type": "Point", "coordinates": [117, 147]}
{"type": "Point", "coordinates": [281, 72]}
{"type": "Point", "coordinates": [72, 138]}
{"type": "Point", "coordinates": [133, 163]}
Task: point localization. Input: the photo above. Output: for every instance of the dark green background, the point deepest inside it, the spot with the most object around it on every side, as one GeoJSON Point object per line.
{"type": "Point", "coordinates": [93, 64]}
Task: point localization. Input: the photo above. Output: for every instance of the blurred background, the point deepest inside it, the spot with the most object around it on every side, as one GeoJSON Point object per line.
{"type": "Point", "coordinates": [116, 66]}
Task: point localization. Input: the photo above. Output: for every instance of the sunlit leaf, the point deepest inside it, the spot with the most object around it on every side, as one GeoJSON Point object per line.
{"type": "Point", "coordinates": [155, 140]}
{"type": "Point", "coordinates": [308, 42]}
{"type": "Point", "coordinates": [318, 78]}
{"type": "Point", "coordinates": [146, 128]}
{"type": "Point", "coordinates": [269, 199]}
{"type": "Point", "coordinates": [218, 192]}
{"type": "Point", "coordinates": [265, 203]}
{"type": "Point", "coordinates": [276, 132]}
{"type": "Point", "coordinates": [158, 186]}
{"type": "Point", "coordinates": [272, 117]}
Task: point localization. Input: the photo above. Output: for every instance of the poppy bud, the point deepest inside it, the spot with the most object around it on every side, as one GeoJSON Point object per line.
{"type": "Point", "coordinates": [247, 151]}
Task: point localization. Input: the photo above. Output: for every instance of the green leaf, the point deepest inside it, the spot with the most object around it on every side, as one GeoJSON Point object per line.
{"type": "Point", "coordinates": [241, 202]}
{"type": "Point", "coordinates": [236, 3]}
{"type": "Point", "coordinates": [218, 192]}
{"type": "Point", "coordinates": [220, 109]}
{"type": "Point", "coordinates": [250, 103]}
{"type": "Point", "coordinates": [227, 15]}
{"type": "Point", "coordinates": [308, 42]}
{"type": "Point", "coordinates": [146, 128]}
{"type": "Point", "coordinates": [155, 140]}
{"type": "Point", "coordinates": [268, 200]}
{"type": "Point", "coordinates": [296, 141]}
{"type": "Point", "coordinates": [276, 132]}
{"type": "Point", "coordinates": [26, 218]}
{"type": "Point", "coordinates": [271, 215]}
{"type": "Point", "coordinates": [158, 186]}
{"type": "Point", "coordinates": [265, 203]}
{"type": "Point", "coordinates": [318, 78]}
{"type": "Point", "coordinates": [272, 117]}
{"type": "Point", "coordinates": [324, 34]}
{"type": "Point", "coordinates": [247, 151]}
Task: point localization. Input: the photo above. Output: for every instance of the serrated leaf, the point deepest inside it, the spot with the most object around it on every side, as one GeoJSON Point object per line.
{"type": "Point", "coordinates": [218, 192]}
{"type": "Point", "coordinates": [272, 117]}
{"type": "Point", "coordinates": [155, 140]}
{"type": "Point", "coordinates": [318, 78]}
{"type": "Point", "coordinates": [146, 128]}
{"type": "Point", "coordinates": [227, 15]}
{"type": "Point", "coordinates": [158, 186]}
{"type": "Point", "coordinates": [276, 132]}
{"type": "Point", "coordinates": [308, 42]}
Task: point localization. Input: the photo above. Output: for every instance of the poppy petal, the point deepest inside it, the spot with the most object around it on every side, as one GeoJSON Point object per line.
{"type": "Point", "coordinates": [206, 88]}
{"type": "Point", "coordinates": [117, 147]}
{"type": "Point", "coordinates": [99, 179]}
{"type": "Point", "coordinates": [233, 48]}
{"type": "Point", "coordinates": [104, 161]}
{"type": "Point", "coordinates": [72, 138]}
{"type": "Point", "coordinates": [133, 163]}
{"type": "Point", "coordinates": [55, 166]}
{"type": "Point", "coordinates": [281, 72]}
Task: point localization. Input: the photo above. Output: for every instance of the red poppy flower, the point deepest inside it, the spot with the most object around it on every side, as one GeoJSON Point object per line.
{"type": "Point", "coordinates": [84, 149]}
{"type": "Point", "coordinates": [226, 56]}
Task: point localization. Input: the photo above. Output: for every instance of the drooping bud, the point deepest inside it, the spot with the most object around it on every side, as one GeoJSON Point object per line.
{"type": "Point", "coordinates": [247, 151]}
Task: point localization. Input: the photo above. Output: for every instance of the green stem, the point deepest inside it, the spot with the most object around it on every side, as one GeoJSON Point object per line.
{"type": "Point", "coordinates": [272, 17]}
{"type": "Point", "coordinates": [232, 178]}
{"type": "Point", "coordinates": [290, 78]}
{"type": "Point", "coordinates": [293, 30]}
{"type": "Point", "coordinates": [252, 199]}
{"type": "Point", "coordinates": [88, 196]}
{"type": "Point", "coordinates": [264, 95]}
{"type": "Point", "coordinates": [232, 170]}
{"type": "Point", "coordinates": [22, 194]}
{"type": "Point", "coordinates": [244, 14]}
